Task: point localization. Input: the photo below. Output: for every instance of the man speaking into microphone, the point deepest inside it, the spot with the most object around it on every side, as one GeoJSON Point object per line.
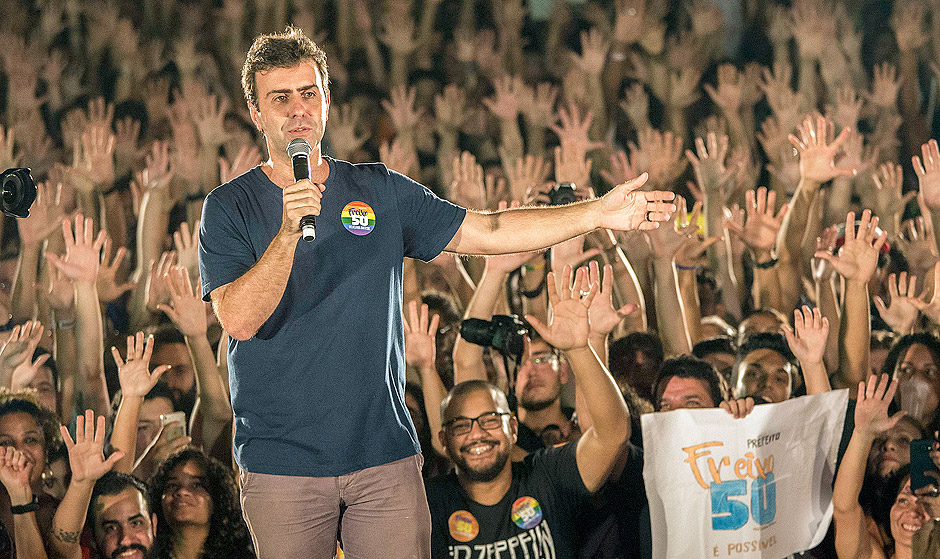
{"type": "Point", "coordinates": [316, 361]}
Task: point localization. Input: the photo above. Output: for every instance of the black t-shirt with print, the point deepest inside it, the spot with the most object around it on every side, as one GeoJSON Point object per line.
{"type": "Point", "coordinates": [536, 517]}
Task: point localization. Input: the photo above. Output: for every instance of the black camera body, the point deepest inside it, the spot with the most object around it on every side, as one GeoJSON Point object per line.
{"type": "Point", "coordinates": [17, 192]}
{"type": "Point", "coordinates": [562, 194]}
{"type": "Point", "coordinates": [504, 333]}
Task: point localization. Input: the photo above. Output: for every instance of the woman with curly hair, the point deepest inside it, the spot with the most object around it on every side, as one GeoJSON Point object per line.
{"type": "Point", "coordinates": [198, 515]}
{"type": "Point", "coordinates": [28, 435]}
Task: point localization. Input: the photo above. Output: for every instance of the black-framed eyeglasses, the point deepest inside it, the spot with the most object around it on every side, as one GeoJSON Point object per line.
{"type": "Point", "coordinates": [488, 422]}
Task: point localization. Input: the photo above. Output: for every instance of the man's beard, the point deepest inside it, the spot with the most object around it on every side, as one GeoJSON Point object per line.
{"type": "Point", "coordinates": [485, 474]}
{"type": "Point", "coordinates": [185, 401]}
{"type": "Point", "coordinates": [535, 405]}
{"type": "Point", "coordinates": [137, 546]}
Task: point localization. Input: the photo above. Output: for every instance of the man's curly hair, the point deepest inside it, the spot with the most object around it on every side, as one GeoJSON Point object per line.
{"type": "Point", "coordinates": [228, 535]}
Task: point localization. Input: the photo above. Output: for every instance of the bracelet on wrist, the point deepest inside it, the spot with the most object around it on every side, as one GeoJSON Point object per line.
{"type": "Point", "coordinates": [65, 324]}
{"type": "Point", "coordinates": [766, 265]}
{"type": "Point", "coordinates": [28, 507]}
{"type": "Point", "coordinates": [681, 267]}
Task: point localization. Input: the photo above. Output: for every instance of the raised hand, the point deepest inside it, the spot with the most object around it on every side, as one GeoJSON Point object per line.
{"type": "Point", "coordinates": [94, 169]}
{"type": "Point", "coordinates": [622, 169]}
{"type": "Point", "coordinates": [573, 130]}
{"type": "Point", "coordinates": [692, 250]}
{"type": "Point", "coordinates": [821, 268]}
{"type": "Point", "coordinates": [848, 106]}
{"type": "Point", "coordinates": [157, 289]}
{"type": "Point", "coordinates": [759, 230]}
{"type": "Point", "coordinates": [817, 153]}
{"type": "Point", "coordinates": [61, 291]}
{"type": "Point", "coordinates": [449, 107]}
{"type": "Point", "coordinates": [729, 91]}
{"type": "Point", "coordinates": [602, 314]}
{"type": "Point", "coordinates": [901, 314]}
{"type": "Point", "coordinates": [134, 373]}
{"type": "Point", "coordinates": [420, 332]}
{"type": "Point", "coordinates": [661, 154]}
{"type": "Point", "coordinates": [593, 52]}
{"type": "Point", "coordinates": [636, 105]}
{"type": "Point", "coordinates": [858, 257]}
{"type": "Point", "coordinates": [186, 245]}
{"type": "Point", "coordinates": [86, 452]}
{"type": "Point", "coordinates": [247, 157]}
{"type": "Point", "coordinates": [45, 214]}
{"type": "Point", "coordinates": [505, 102]}
{"type": "Point", "coordinates": [526, 174]}
{"type": "Point", "coordinates": [871, 408]}
{"type": "Point", "coordinates": [928, 174]}
{"type": "Point", "coordinates": [908, 23]}
{"type": "Point", "coordinates": [20, 345]}
{"type": "Point", "coordinates": [885, 86]}
{"type": "Point", "coordinates": [572, 166]}
{"type": "Point", "coordinates": [82, 251]}
{"type": "Point", "coordinates": [399, 156]}
{"type": "Point", "coordinates": [569, 326]}
{"type": "Point", "coordinates": [187, 310]}
{"type": "Point", "coordinates": [159, 169]}
{"type": "Point", "coordinates": [344, 123]}
{"type": "Point", "coordinates": [126, 135]}
{"type": "Point", "coordinates": [683, 88]}
{"type": "Point", "coordinates": [400, 108]}
{"type": "Point", "coordinates": [108, 287]}
{"type": "Point", "coordinates": [807, 337]}
{"type": "Point", "coordinates": [625, 208]}
{"type": "Point", "coordinates": [917, 246]}
{"type": "Point", "coordinates": [15, 471]}
{"type": "Point", "coordinates": [208, 113]}
{"type": "Point", "coordinates": [888, 197]}
{"type": "Point", "coordinates": [931, 308]}
{"type": "Point", "coordinates": [468, 189]}
{"type": "Point", "coordinates": [709, 165]}
{"type": "Point", "coordinates": [666, 241]}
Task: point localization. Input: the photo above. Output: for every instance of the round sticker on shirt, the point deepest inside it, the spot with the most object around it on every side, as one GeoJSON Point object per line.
{"type": "Point", "coordinates": [526, 512]}
{"type": "Point", "coordinates": [463, 526]}
{"type": "Point", "coordinates": [358, 218]}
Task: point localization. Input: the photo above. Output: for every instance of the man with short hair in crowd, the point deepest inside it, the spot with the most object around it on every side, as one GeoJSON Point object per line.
{"type": "Point", "coordinates": [543, 421]}
{"type": "Point", "coordinates": [529, 508]}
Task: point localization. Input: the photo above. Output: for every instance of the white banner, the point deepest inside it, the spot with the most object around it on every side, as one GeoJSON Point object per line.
{"type": "Point", "coordinates": [758, 487]}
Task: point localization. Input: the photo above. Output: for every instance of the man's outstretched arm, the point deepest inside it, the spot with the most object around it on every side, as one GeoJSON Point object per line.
{"type": "Point", "coordinates": [526, 229]}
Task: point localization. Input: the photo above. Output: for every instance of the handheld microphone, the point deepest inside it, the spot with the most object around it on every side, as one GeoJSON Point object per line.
{"type": "Point", "coordinates": [299, 152]}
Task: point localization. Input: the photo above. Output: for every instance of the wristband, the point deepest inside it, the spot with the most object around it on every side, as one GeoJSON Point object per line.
{"type": "Point", "coordinates": [681, 267]}
{"type": "Point", "coordinates": [28, 507]}
{"type": "Point", "coordinates": [64, 324]}
{"type": "Point", "coordinates": [618, 56]}
{"type": "Point", "coordinates": [534, 268]}
{"type": "Point", "coordinates": [766, 265]}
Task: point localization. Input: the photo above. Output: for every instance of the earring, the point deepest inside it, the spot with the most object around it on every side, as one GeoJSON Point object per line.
{"type": "Point", "coordinates": [47, 477]}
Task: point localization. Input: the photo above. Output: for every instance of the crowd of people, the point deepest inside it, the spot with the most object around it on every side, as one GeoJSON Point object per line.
{"type": "Point", "coordinates": [803, 256]}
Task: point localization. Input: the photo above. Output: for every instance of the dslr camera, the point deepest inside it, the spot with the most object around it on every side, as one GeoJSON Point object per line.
{"type": "Point", "coordinates": [17, 192]}
{"type": "Point", "coordinates": [504, 333]}
{"type": "Point", "coordinates": [562, 194]}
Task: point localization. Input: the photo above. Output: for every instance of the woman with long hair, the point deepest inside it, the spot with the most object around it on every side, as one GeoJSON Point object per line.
{"type": "Point", "coordinates": [198, 515]}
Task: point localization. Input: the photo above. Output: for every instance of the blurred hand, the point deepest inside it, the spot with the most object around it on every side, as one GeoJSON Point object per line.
{"type": "Point", "coordinates": [344, 123]}
{"type": "Point", "coordinates": [759, 230]}
{"type": "Point", "coordinates": [45, 215]}
{"type": "Point", "coordinates": [661, 154]}
{"type": "Point", "coordinates": [398, 156]}
{"type": "Point", "coordinates": [505, 102]}
{"type": "Point", "coordinates": [187, 310]}
{"type": "Point", "coordinates": [885, 86]}
{"type": "Point", "coordinates": [108, 287]}
{"type": "Point", "coordinates": [82, 251]}
{"type": "Point", "coordinates": [711, 173]}
{"type": "Point", "coordinates": [468, 189]}
{"type": "Point", "coordinates": [157, 290]}
{"type": "Point", "coordinates": [186, 245]}
{"type": "Point", "coordinates": [420, 332]}
{"type": "Point", "coordinates": [246, 159]}
{"type": "Point", "coordinates": [928, 174]}
{"type": "Point", "coordinates": [20, 345]}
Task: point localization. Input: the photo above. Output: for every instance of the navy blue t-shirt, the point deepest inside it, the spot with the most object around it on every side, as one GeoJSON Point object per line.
{"type": "Point", "coordinates": [319, 389]}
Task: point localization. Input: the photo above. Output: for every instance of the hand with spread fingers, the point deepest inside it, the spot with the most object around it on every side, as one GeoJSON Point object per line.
{"type": "Point", "coordinates": [604, 317]}
{"type": "Point", "coordinates": [82, 251]}
{"type": "Point", "coordinates": [86, 451]}
{"type": "Point", "coordinates": [420, 332]}
{"type": "Point", "coordinates": [569, 326]}
{"type": "Point", "coordinates": [901, 313]}
{"type": "Point", "coordinates": [858, 257]}
{"type": "Point", "coordinates": [817, 152]}
{"type": "Point", "coordinates": [759, 230]}
{"type": "Point", "coordinates": [871, 408]}
{"type": "Point", "coordinates": [807, 337]}
{"type": "Point", "coordinates": [134, 373]}
{"type": "Point", "coordinates": [928, 174]}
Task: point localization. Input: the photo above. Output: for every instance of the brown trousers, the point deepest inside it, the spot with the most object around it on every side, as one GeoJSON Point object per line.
{"type": "Point", "coordinates": [380, 512]}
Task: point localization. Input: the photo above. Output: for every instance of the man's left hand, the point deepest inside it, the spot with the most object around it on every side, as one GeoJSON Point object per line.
{"type": "Point", "coordinates": [625, 208]}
